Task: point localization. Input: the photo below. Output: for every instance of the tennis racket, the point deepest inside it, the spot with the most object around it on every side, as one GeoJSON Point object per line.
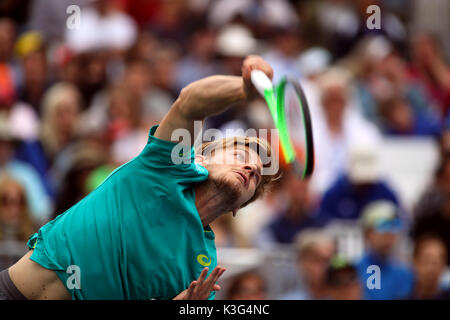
{"type": "Point", "coordinates": [290, 112]}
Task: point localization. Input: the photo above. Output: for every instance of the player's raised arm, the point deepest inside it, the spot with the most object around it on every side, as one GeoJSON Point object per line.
{"type": "Point", "coordinates": [210, 96]}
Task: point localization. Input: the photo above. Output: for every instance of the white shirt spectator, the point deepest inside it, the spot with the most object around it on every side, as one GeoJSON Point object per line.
{"type": "Point", "coordinates": [115, 30]}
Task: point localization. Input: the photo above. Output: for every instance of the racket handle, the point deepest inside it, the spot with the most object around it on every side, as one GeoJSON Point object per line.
{"type": "Point", "coordinates": [260, 81]}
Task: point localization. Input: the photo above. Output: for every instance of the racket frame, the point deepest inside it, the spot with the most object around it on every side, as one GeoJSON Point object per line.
{"type": "Point", "coordinates": [274, 97]}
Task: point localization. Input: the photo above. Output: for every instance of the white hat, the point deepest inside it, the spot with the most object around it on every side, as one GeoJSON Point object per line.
{"type": "Point", "coordinates": [363, 164]}
{"type": "Point", "coordinates": [236, 41]}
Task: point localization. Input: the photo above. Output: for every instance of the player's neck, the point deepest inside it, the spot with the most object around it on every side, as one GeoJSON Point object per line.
{"type": "Point", "coordinates": [209, 202]}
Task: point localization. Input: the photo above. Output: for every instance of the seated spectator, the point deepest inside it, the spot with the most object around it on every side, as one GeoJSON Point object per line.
{"type": "Point", "coordinates": [297, 214]}
{"type": "Point", "coordinates": [314, 252]}
{"type": "Point", "coordinates": [432, 213]}
{"type": "Point", "coordinates": [114, 30]}
{"type": "Point", "coordinates": [339, 129]}
{"type": "Point", "coordinates": [429, 66]}
{"type": "Point", "coordinates": [198, 62]}
{"type": "Point", "coordinates": [84, 158]}
{"type": "Point", "coordinates": [389, 97]}
{"type": "Point", "coordinates": [60, 109]}
{"type": "Point", "coordinates": [342, 280]}
{"type": "Point", "coordinates": [361, 185]}
{"type": "Point", "coordinates": [38, 200]}
{"type": "Point", "coordinates": [34, 71]}
{"type": "Point", "coordinates": [399, 118]}
{"type": "Point", "coordinates": [16, 223]}
{"type": "Point", "coordinates": [430, 259]}
{"type": "Point", "coordinates": [247, 286]}
{"type": "Point", "coordinates": [138, 79]}
{"type": "Point", "coordinates": [382, 226]}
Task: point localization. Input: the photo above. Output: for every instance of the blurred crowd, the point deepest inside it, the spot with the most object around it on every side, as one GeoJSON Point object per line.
{"type": "Point", "coordinates": [78, 96]}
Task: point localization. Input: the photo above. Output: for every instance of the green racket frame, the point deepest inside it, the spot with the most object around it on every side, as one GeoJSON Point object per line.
{"type": "Point", "coordinates": [275, 101]}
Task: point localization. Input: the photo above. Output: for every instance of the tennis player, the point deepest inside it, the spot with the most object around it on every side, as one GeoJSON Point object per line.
{"type": "Point", "coordinates": [144, 232]}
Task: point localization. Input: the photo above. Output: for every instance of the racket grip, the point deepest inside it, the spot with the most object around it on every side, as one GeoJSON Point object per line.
{"type": "Point", "coordinates": [260, 81]}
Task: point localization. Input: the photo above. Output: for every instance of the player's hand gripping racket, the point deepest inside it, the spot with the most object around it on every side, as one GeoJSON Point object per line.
{"type": "Point", "coordinates": [290, 112]}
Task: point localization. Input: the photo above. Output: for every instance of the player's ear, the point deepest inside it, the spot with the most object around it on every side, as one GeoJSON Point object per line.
{"type": "Point", "coordinates": [200, 159]}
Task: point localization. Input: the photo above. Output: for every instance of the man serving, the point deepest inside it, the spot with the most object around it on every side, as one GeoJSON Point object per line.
{"type": "Point", "coordinates": [144, 232]}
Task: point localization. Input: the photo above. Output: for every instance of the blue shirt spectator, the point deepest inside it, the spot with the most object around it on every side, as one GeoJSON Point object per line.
{"type": "Point", "coordinates": [39, 202]}
{"type": "Point", "coordinates": [390, 280]}
{"type": "Point", "coordinates": [297, 214]}
{"type": "Point", "coordinates": [396, 280]}
{"type": "Point", "coordinates": [345, 199]}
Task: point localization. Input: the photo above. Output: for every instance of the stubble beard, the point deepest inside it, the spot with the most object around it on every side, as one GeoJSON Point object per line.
{"type": "Point", "coordinates": [229, 191]}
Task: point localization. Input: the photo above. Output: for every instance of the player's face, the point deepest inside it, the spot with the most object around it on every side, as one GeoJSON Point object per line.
{"type": "Point", "coordinates": [237, 171]}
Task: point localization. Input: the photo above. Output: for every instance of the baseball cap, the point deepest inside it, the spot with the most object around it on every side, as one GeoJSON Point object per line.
{"type": "Point", "coordinates": [383, 216]}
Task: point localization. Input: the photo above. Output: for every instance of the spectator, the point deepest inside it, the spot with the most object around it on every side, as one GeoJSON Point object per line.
{"type": "Point", "coordinates": [286, 47]}
{"type": "Point", "coordinates": [389, 97]}
{"type": "Point", "coordinates": [247, 286]}
{"type": "Point", "coordinates": [430, 67]}
{"type": "Point", "coordinates": [114, 30]}
{"type": "Point", "coordinates": [342, 280]}
{"type": "Point", "coordinates": [341, 129]}
{"type": "Point", "coordinates": [432, 213]}
{"type": "Point", "coordinates": [400, 119]}
{"type": "Point", "coordinates": [198, 62]}
{"type": "Point", "coordinates": [7, 36]}
{"type": "Point", "coordinates": [430, 259]}
{"type": "Point", "coordinates": [35, 80]}
{"type": "Point", "coordinates": [314, 252]}
{"type": "Point", "coordinates": [39, 202]}
{"type": "Point", "coordinates": [59, 130]}
{"type": "Point", "coordinates": [61, 107]}
{"type": "Point", "coordinates": [138, 80]}
{"type": "Point", "coordinates": [382, 226]}
{"type": "Point", "coordinates": [80, 162]}
{"type": "Point", "coordinates": [295, 216]}
{"type": "Point", "coordinates": [16, 221]}
{"type": "Point", "coordinates": [125, 127]}
{"type": "Point", "coordinates": [361, 185]}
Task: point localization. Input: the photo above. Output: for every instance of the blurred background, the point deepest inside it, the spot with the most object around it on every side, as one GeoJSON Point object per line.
{"type": "Point", "coordinates": [77, 97]}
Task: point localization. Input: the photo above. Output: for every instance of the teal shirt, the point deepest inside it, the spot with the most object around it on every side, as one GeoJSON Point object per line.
{"type": "Point", "coordinates": [136, 236]}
